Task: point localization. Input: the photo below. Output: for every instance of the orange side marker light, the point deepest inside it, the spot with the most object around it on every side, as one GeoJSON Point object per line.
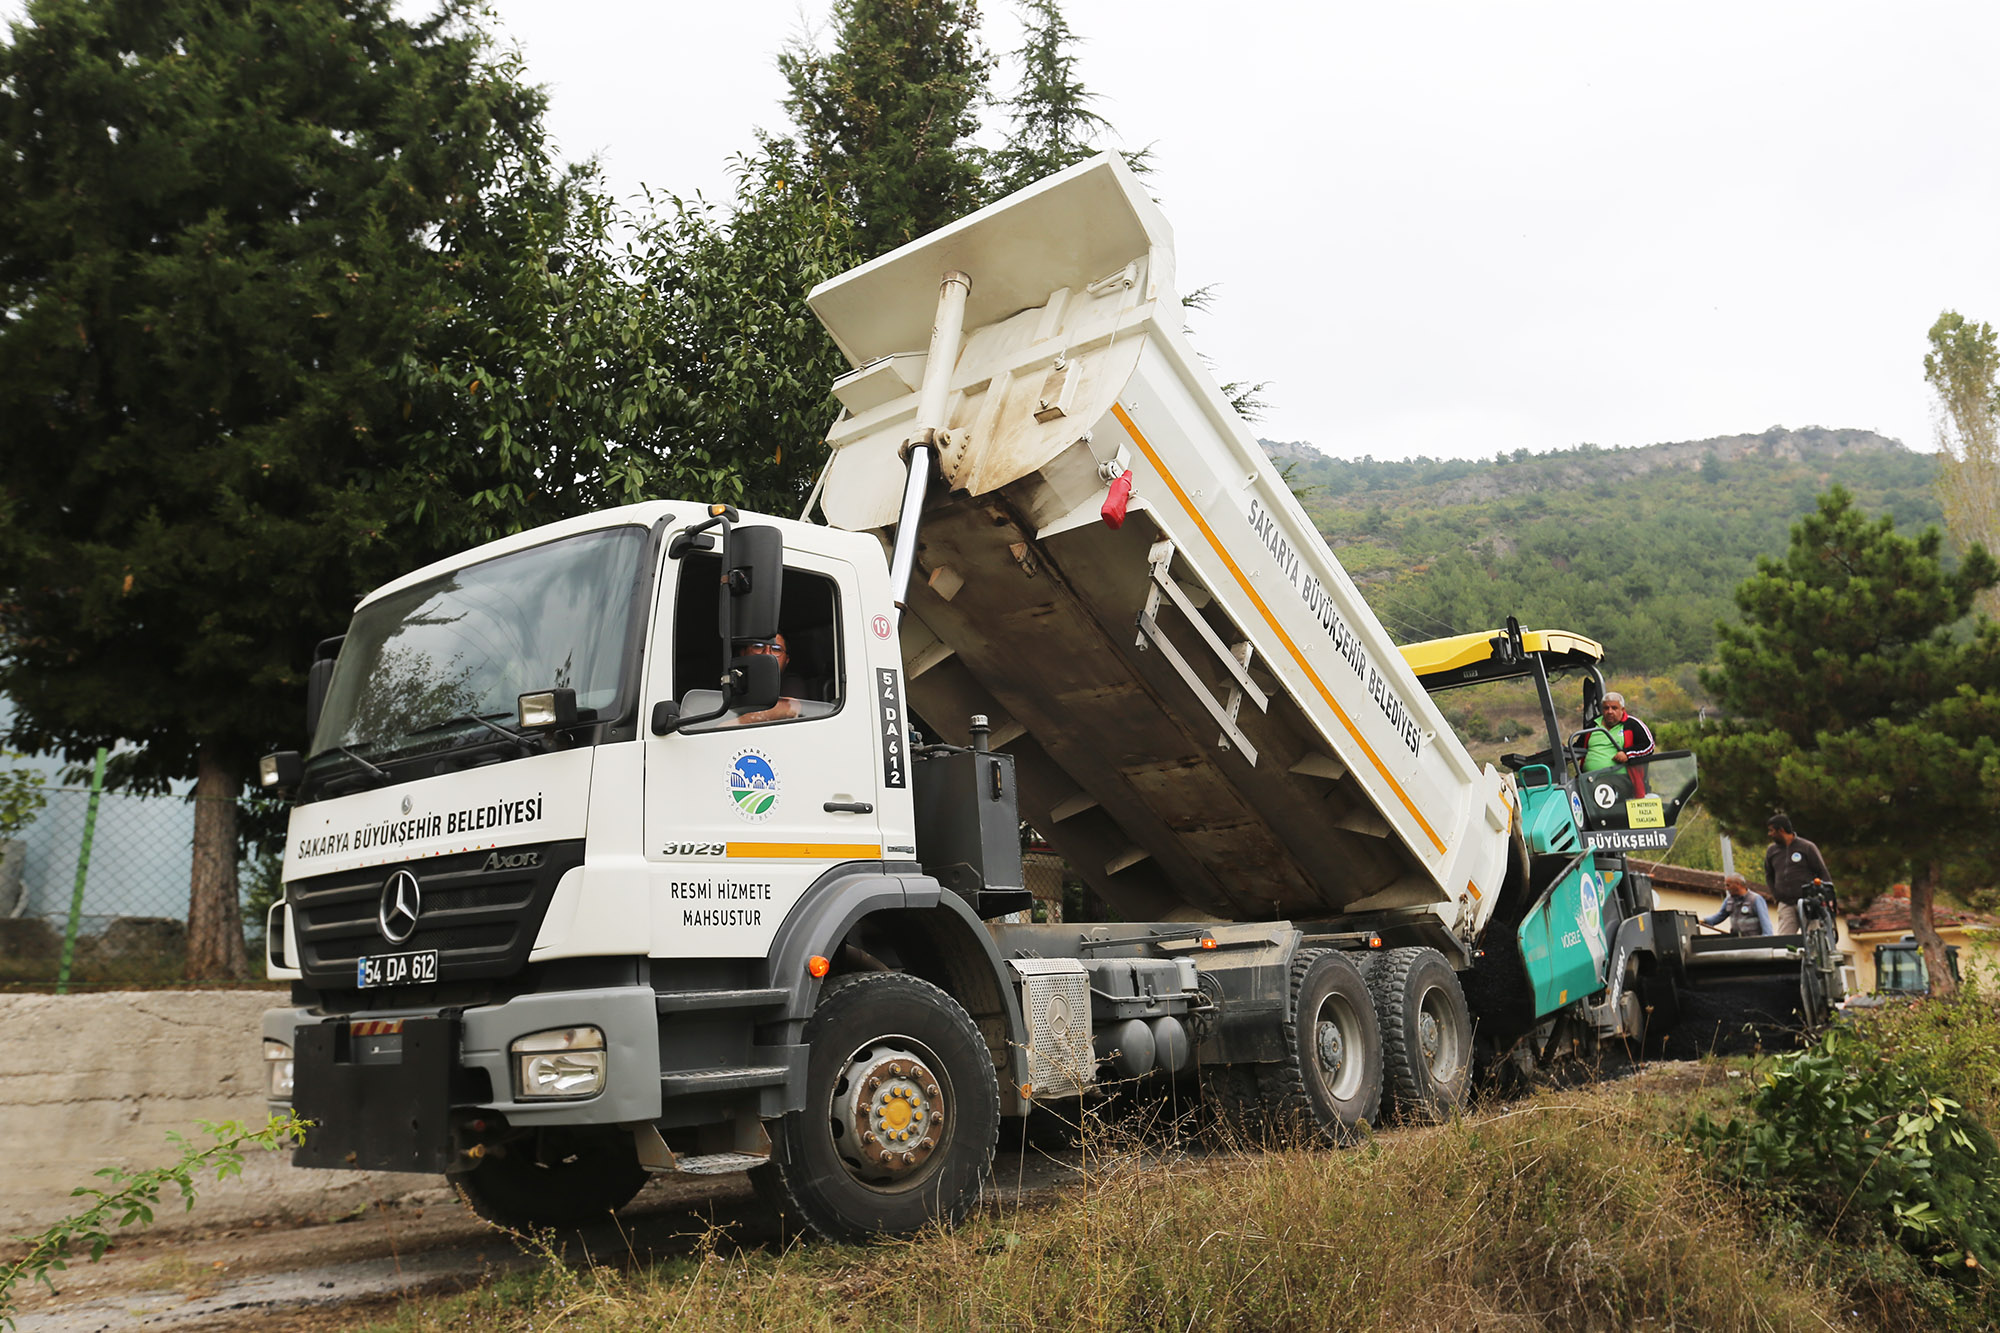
{"type": "Point", "coordinates": [818, 966]}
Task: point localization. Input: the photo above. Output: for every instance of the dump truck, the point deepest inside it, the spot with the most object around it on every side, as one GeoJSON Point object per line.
{"type": "Point", "coordinates": [679, 839]}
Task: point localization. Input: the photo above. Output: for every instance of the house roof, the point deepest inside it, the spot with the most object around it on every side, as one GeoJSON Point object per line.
{"type": "Point", "coordinates": [1890, 914]}
{"type": "Point", "coordinates": [1664, 876]}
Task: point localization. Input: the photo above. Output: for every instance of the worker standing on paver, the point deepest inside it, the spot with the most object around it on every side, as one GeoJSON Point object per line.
{"type": "Point", "coordinates": [1744, 910]}
{"type": "Point", "coordinates": [1792, 865]}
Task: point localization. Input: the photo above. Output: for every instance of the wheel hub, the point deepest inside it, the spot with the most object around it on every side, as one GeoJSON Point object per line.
{"type": "Point", "coordinates": [1331, 1049]}
{"type": "Point", "coordinates": [1429, 1038]}
{"type": "Point", "coordinates": [891, 1114]}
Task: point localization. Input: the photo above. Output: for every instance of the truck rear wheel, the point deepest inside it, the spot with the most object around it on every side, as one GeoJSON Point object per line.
{"type": "Point", "coordinates": [1426, 1032]}
{"type": "Point", "coordinates": [901, 1118]}
{"type": "Point", "coordinates": [561, 1177]}
{"type": "Point", "coordinates": [1330, 1082]}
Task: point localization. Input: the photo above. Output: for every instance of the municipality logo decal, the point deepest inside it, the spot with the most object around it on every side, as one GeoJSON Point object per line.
{"type": "Point", "coordinates": [753, 785]}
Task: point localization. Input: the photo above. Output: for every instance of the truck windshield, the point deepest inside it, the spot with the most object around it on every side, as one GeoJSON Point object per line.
{"type": "Point", "coordinates": [421, 665]}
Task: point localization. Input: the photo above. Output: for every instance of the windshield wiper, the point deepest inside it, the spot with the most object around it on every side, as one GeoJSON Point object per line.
{"type": "Point", "coordinates": [526, 746]}
{"type": "Point", "coordinates": [373, 771]}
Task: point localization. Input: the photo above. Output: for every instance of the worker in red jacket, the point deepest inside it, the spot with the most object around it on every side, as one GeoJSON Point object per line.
{"type": "Point", "coordinates": [1614, 740]}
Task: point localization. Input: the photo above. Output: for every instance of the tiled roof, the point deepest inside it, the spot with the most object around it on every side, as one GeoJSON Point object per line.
{"type": "Point", "coordinates": [1891, 912]}
{"type": "Point", "coordinates": [1708, 882]}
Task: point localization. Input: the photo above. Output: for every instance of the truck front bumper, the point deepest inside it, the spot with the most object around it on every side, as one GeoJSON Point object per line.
{"type": "Point", "coordinates": [388, 1100]}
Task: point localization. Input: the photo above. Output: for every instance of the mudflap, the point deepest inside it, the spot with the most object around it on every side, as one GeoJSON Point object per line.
{"type": "Point", "coordinates": [376, 1104]}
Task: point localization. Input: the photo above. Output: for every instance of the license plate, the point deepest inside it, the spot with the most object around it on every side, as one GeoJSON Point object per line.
{"type": "Point", "coordinates": [396, 969]}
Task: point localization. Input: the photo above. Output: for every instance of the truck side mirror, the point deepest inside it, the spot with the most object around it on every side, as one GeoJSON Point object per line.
{"type": "Point", "coordinates": [754, 682]}
{"type": "Point", "coordinates": [755, 580]}
{"type": "Point", "coordinates": [318, 678]}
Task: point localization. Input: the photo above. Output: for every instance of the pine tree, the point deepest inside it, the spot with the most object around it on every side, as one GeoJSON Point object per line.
{"type": "Point", "coordinates": [1053, 123]}
{"type": "Point", "coordinates": [1854, 707]}
{"type": "Point", "coordinates": [887, 117]}
{"type": "Point", "coordinates": [221, 228]}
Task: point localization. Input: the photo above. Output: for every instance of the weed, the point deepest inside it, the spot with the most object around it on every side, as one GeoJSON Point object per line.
{"type": "Point", "coordinates": [1557, 1213]}
{"type": "Point", "coordinates": [129, 1198]}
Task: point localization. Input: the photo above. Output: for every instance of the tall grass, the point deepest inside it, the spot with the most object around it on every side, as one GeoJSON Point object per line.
{"type": "Point", "coordinates": [1562, 1212]}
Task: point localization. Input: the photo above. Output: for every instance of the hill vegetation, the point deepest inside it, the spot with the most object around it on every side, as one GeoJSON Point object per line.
{"type": "Point", "coordinates": [1640, 548]}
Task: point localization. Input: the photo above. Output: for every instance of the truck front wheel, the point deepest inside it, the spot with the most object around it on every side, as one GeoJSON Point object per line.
{"type": "Point", "coordinates": [1330, 1081]}
{"type": "Point", "coordinates": [558, 1177]}
{"type": "Point", "coordinates": [1426, 1032]}
{"type": "Point", "coordinates": [901, 1118]}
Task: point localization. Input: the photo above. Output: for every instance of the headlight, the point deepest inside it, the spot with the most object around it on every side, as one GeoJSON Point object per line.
{"type": "Point", "coordinates": [561, 1062]}
{"type": "Point", "coordinates": [278, 1069]}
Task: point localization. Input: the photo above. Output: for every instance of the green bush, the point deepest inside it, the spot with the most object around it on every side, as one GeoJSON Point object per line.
{"type": "Point", "coordinates": [1867, 1138]}
{"type": "Point", "coordinates": [21, 797]}
{"type": "Point", "coordinates": [1951, 1044]}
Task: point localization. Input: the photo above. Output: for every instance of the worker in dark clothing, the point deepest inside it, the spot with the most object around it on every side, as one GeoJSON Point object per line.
{"type": "Point", "coordinates": [1744, 910]}
{"type": "Point", "coordinates": [1792, 865]}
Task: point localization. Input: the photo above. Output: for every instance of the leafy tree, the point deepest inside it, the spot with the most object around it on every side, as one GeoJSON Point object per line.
{"type": "Point", "coordinates": [1852, 705]}
{"type": "Point", "coordinates": [218, 226]}
{"type": "Point", "coordinates": [888, 115]}
{"type": "Point", "coordinates": [580, 372]}
{"type": "Point", "coordinates": [751, 371]}
{"type": "Point", "coordinates": [522, 398]}
{"type": "Point", "coordinates": [1963, 366]}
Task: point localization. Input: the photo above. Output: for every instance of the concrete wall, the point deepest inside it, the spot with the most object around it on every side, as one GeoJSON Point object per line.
{"type": "Point", "coordinates": [88, 1081]}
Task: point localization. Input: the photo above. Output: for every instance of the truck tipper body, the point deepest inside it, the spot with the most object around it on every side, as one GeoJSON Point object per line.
{"type": "Point", "coordinates": [1207, 720]}
{"type": "Point", "coordinates": [676, 839]}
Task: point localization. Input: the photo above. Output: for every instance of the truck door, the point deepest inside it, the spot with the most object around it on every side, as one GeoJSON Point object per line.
{"type": "Point", "coordinates": [742, 814]}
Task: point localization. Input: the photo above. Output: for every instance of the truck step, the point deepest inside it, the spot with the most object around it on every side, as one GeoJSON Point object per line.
{"type": "Point", "coordinates": [689, 1001]}
{"type": "Point", "coordinates": [691, 1082]}
{"type": "Point", "coordinates": [718, 1163]}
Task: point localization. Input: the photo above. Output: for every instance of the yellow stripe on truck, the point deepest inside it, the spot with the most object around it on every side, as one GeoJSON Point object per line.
{"type": "Point", "coordinates": [1132, 429]}
{"type": "Point", "coordinates": [805, 851]}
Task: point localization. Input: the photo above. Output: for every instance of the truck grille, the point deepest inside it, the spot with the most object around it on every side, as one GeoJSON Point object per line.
{"type": "Point", "coordinates": [481, 922]}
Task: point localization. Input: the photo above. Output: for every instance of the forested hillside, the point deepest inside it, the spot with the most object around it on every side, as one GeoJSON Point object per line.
{"type": "Point", "coordinates": [1640, 548]}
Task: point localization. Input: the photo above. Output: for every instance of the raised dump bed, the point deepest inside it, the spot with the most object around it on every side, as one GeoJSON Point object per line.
{"type": "Point", "coordinates": [1207, 719]}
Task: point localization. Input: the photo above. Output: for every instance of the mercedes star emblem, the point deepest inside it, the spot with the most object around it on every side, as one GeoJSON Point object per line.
{"type": "Point", "coordinates": [401, 901]}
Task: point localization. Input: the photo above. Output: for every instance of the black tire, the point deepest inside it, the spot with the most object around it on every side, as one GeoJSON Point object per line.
{"type": "Point", "coordinates": [559, 1177]}
{"type": "Point", "coordinates": [1329, 1085]}
{"type": "Point", "coordinates": [826, 1172]}
{"type": "Point", "coordinates": [1816, 961]}
{"type": "Point", "coordinates": [1426, 1033]}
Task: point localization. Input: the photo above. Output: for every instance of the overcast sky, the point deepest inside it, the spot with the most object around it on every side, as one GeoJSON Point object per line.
{"type": "Point", "coordinates": [1456, 228]}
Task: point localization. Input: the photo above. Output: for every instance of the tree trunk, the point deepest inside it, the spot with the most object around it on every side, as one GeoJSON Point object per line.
{"type": "Point", "coordinates": [1923, 924]}
{"type": "Point", "coordinates": [215, 921]}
